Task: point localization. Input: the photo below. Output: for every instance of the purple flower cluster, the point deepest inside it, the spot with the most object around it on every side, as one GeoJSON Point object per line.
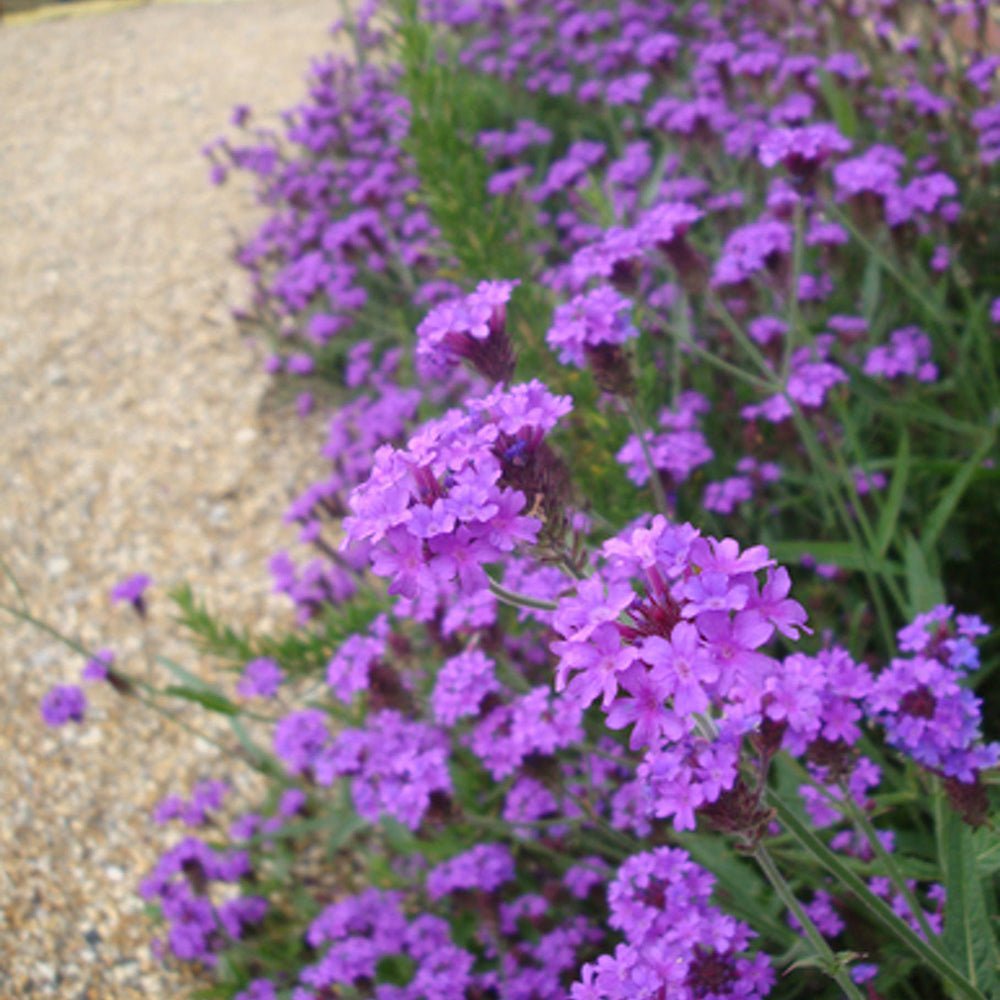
{"type": "Point", "coordinates": [908, 352]}
{"type": "Point", "coordinates": [922, 703]}
{"type": "Point", "coordinates": [63, 703]}
{"type": "Point", "coordinates": [198, 928]}
{"type": "Point", "coordinates": [590, 322]}
{"type": "Point", "coordinates": [437, 511]}
{"type": "Point", "coordinates": [678, 451]}
{"type": "Point", "coordinates": [358, 932]}
{"type": "Point", "coordinates": [677, 943]}
{"type": "Point", "coordinates": [485, 867]}
{"type": "Point", "coordinates": [132, 590]}
{"type": "Point", "coordinates": [206, 797]}
{"type": "Point", "coordinates": [350, 669]}
{"type": "Point", "coordinates": [678, 662]}
{"type": "Point", "coordinates": [471, 328]}
{"type": "Point", "coordinates": [397, 767]}
{"type": "Point", "coordinates": [462, 683]}
{"type": "Point", "coordinates": [758, 248]}
{"type": "Point", "coordinates": [261, 679]}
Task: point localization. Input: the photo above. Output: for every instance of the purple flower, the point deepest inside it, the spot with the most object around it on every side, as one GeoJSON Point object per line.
{"type": "Point", "coordinates": [802, 150]}
{"type": "Point", "coordinates": [63, 703]}
{"type": "Point", "coordinates": [259, 989]}
{"type": "Point", "coordinates": [300, 740]}
{"type": "Point", "coordinates": [472, 328]}
{"type": "Point", "coordinates": [462, 683]}
{"type": "Point", "coordinates": [396, 766]}
{"type": "Point", "coordinates": [907, 353]}
{"type": "Point", "coordinates": [751, 249]}
{"type": "Point", "coordinates": [349, 670]}
{"type": "Point", "coordinates": [485, 867]}
{"type": "Point", "coordinates": [300, 364]}
{"type": "Point", "coordinates": [261, 679]}
{"type": "Point", "coordinates": [98, 667]}
{"type": "Point", "coordinates": [925, 710]}
{"type": "Point", "coordinates": [588, 322]}
{"type": "Point", "coordinates": [676, 942]}
{"type": "Point", "coordinates": [875, 172]}
{"type": "Point", "coordinates": [133, 590]}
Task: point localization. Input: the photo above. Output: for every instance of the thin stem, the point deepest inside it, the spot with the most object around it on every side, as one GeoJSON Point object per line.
{"type": "Point", "coordinates": [861, 821]}
{"type": "Point", "coordinates": [761, 384]}
{"type": "Point", "coordinates": [26, 616]}
{"type": "Point", "coordinates": [518, 600]}
{"type": "Point", "coordinates": [891, 267]}
{"type": "Point", "coordinates": [812, 446]}
{"type": "Point", "coordinates": [18, 589]}
{"type": "Point", "coordinates": [655, 482]}
{"type": "Point", "coordinates": [829, 962]}
{"type": "Point", "coordinates": [769, 376]}
{"type": "Point", "coordinates": [924, 951]}
{"type": "Point", "coordinates": [794, 313]}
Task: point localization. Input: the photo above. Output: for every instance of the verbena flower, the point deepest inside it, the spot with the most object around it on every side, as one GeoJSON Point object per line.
{"type": "Point", "coordinates": [261, 679]}
{"type": "Point", "coordinates": [99, 666]}
{"type": "Point", "coordinates": [472, 328]}
{"type": "Point", "coordinates": [63, 703]}
{"type": "Point", "coordinates": [485, 867]}
{"type": "Point", "coordinates": [908, 352]}
{"type": "Point", "coordinates": [676, 942]}
{"type": "Point", "coordinates": [132, 590]}
{"type": "Point", "coordinates": [752, 249]}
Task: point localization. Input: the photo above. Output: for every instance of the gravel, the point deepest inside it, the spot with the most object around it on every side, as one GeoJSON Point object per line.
{"type": "Point", "coordinates": [138, 435]}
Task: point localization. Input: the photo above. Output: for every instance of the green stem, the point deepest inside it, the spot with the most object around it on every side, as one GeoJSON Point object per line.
{"type": "Point", "coordinates": [877, 908]}
{"type": "Point", "coordinates": [942, 318]}
{"type": "Point", "coordinates": [518, 600]}
{"type": "Point", "coordinates": [18, 589]}
{"type": "Point", "coordinates": [146, 693]}
{"type": "Point", "coordinates": [861, 821]}
{"type": "Point", "coordinates": [655, 482]}
{"type": "Point", "coordinates": [26, 616]}
{"type": "Point", "coordinates": [794, 313]}
{"type": "Point", "coordinates": [872, 575]}
{"type": "Point", "coordinates": [829, 962]}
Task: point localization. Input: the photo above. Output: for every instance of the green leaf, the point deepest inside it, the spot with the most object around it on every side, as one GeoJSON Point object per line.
{"type": "Point", "coordinates": [840, 104]}
{"type": "Point", "coordinates": [923, 586]}
{"type": "Point", "coordinates": [871, 287]}
{"type": "Point", "coordinates": [207, 699]}
{"type": "Point", "coordinates": [183, 674]}
{"type": "Point", "coordinates": [986, 844]}
{"type": "Point", "coordinates": [945, 507]}
{"type": "Point", "coordinates": [968, 937]}
{"type": "Point", "coordinates": [396, 969]}
{"type": "Point", "coordinates": [846, 555]}
{"type": "Point", "coordinates": [926, 952]}
{"type": "Point", "coordinates": [889, 516]}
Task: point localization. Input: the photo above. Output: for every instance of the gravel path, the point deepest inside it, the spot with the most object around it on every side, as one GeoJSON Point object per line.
{"type": "Point", "coordinates": [134, 439]}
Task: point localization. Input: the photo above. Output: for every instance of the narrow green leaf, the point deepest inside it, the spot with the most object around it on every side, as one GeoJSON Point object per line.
{"type": "Point", "coordinates": [207, 699]}
{"type": "Point", "coordinates": [938, 519]}
{"type": "Point", "coordinates": [840, 105]}
{"type": "Point", "coordinates": [889, 516]}
{"type": "Point", "coordinates": [926, 952]}
{"type": "Point", "coordinates": [871, 287]}
{"type": "Point", "coordinates": [847, 555]}
{"type": "Point", "coordinates": [923, 586]}
{"type": "Point", "coordinates": [183, 674]}
{"type": "Point", "coordinates": [968, 938]}
{"type": "Point", "coordinates": [260, 758]}
{"type": "Point", "coordinates": [986, 843]}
